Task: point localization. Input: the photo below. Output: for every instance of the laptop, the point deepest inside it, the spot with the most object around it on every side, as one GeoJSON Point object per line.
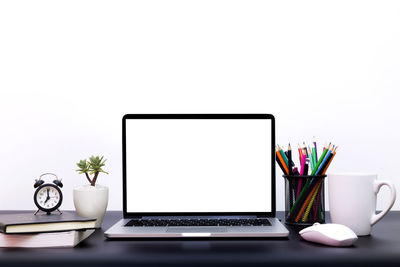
{"type": "Point", "coordinates": [198, 175]}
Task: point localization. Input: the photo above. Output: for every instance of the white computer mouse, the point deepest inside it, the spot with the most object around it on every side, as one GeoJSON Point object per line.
{"type": "Point", "coordinates": [329, 234]}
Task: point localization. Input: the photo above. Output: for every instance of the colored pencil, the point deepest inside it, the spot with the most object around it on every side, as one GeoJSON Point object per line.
{"type": "Point", "coordinates": [316, 208]}
{"type": "Point", "coordinates": [300, 153]}
{"type": "Point", "coordinates": [300, 181]}
{"type": "Point", "coordinates": [305, 217]}
{"type": "Point", "coordinates": [329, 161]}
{"type": "Point", "coordinates": [309, 196]}
{"type": "Point", "coordinates": [303, 194]}
{"type": "Point", "coordinates": [280, 164]}
{"type": "Point", "coordinates": [319, 161]}
{"type": "Point", "coordinates": [279, 156]}
{"type": "Point", "coordinates": [306, 187]}
{"type": "Point", "coordinates": [325, 161]}
{"type": "Point", "coordinates": [283, 156]}
{"type": "Point", "coordinates": [289, 154]}
{"type": "Point", "coordinates": [303, 162]}
{"type": "Point", "coordinates": [291, 181]}
{"type": "Point", "coordinates": [325, 164]}
{"type": "Point", "coordinates": [286, 153]}
{"type": "Point", "coordinates": [311, 158]}
{"type": "Point", "coordinates": [315, 146]}
{"type": "Point", "coordinates": [305, 149]}
{"type": "Point", "coordinates": [305, 172]}
{"type": "Point", "coordinates": [314, 156]}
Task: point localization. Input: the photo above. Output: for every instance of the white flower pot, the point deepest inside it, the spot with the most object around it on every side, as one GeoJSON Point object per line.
{"type": "Point", "coordinates": [91, 202]}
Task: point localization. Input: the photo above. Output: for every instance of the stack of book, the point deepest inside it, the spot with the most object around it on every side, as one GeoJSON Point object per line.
{"type": "Point", "coordinates": [38, 231]}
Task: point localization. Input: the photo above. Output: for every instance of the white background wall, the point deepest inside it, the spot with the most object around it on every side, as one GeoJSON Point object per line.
{"type": "Point", "coordinates": [69, 70]}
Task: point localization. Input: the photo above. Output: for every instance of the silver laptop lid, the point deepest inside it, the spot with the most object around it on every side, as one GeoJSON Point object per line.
{"type": "Point", "coordinates": [198, 164]}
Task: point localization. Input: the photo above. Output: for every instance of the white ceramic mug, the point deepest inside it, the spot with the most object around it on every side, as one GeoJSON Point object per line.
{"type": "Point", "coordinates": [352, 200]}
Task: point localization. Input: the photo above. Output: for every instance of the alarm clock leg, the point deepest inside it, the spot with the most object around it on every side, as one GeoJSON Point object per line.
{"type": "Point", "coordinates": [59, 211]}
{"type": "Point", "coordinates": [36, 212]}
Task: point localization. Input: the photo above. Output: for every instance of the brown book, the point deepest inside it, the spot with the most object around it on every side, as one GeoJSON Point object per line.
{"type": "Point", "coordinates": [18, 223]}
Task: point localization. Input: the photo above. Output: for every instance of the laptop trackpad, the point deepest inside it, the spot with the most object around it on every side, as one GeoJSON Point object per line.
{"type": "Point", "coordinates": [196, 229]}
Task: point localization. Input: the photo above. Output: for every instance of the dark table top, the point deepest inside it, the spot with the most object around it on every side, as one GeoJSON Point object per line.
{"type": "Point", "coordinates": [381, 248]}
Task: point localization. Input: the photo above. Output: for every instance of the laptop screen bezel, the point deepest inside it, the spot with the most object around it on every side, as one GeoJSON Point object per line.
{"type": "Point", "coordinates": [270, 117]}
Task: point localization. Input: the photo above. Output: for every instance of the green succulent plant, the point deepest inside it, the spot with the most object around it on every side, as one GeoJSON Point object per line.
{"type": "Point", "coordinates": [93, 166]}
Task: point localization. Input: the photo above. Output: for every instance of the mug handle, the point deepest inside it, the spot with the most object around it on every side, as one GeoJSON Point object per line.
{"type": "Point", "coordinates": [377, 186]}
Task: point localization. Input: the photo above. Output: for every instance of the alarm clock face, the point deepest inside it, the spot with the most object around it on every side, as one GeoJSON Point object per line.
{"type": "Point", "coordinates": [48, 197]}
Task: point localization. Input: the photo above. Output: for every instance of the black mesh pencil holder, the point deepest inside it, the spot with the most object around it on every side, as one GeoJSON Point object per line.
{"type": "Point", "coordinates": [304, 199]}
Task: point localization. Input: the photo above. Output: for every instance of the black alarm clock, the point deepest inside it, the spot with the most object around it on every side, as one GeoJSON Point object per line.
{"type": "Point", "coordinates": [48, 197]}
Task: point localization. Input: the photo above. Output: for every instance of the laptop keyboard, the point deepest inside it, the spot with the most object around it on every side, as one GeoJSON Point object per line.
{"type": "Point", "coordinates": [199, 222]}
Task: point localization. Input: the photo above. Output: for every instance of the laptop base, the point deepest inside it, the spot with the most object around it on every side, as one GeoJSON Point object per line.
{"type": "Point", "coordinates": [119, 230]}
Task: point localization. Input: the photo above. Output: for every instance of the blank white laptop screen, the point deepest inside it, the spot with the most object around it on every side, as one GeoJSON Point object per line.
{"type": "Point", "coordinates": [198, 165]}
